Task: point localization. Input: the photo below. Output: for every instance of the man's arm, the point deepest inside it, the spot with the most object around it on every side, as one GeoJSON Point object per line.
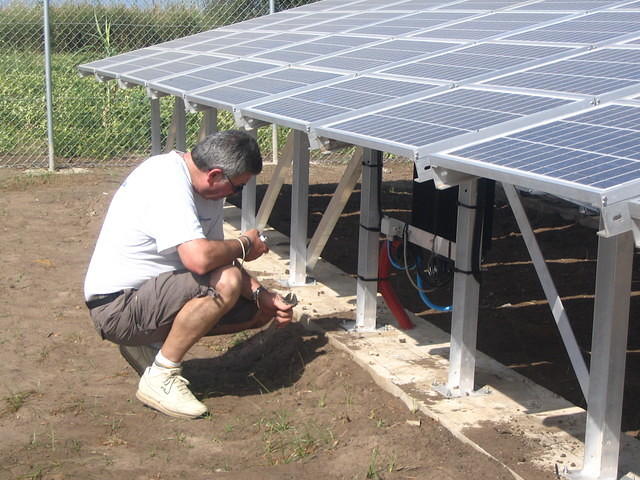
{"type": "Point", "coordinates": [268, 302]}
{"type": "Point", "coordinates": [201, 256]}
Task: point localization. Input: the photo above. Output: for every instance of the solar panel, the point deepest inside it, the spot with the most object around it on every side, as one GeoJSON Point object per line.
{"type": "Point", "coordinates": [588, 29]}
{"type": "Point", "coordinates": [166, 68]}
{"type": "Point", "coordinates": [435, 118]}
{"type": "Point", "coordinates": [327, 101]}
{"type": "Point", "coordinates": [474, 61]}
{"type": "Point", "coordinates": [592, 73]}
{"type": "Point", "coordinates": [380, 55]}
{"type": "Point", "coordinates": [411, 23]}
{"type": "Point", "coordinates": [479, 5]}
{"type": "Point", "coordinates": [135, 55]}
{"type": "Point", "coordinates": [223, 72]}
{"type": "Point", "coordinates": [629, 6]}
{"type": "Point", "coordinates": [597, 151]}
{"type": "Point", "coordinates": [299, 53]}
{"type": "Point", "coordinates": [488, 26]}
{"type": "Point", "coordinates": [563, 6]}
{"type": "Point", "coordinates": [258, 87]}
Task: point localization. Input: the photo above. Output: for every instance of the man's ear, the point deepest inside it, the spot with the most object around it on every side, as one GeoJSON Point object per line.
{"type": "Point", "coordinates": [214, 175]}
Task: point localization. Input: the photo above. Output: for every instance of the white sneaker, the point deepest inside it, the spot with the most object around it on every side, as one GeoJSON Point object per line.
{"type": "Point", "coordinates": [168, 393]}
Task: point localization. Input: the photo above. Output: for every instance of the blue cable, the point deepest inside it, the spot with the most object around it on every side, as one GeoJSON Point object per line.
{"type": "Point", "coordinates": [395, 265]}
{"type": "Point", "coordinates": [423, 296]}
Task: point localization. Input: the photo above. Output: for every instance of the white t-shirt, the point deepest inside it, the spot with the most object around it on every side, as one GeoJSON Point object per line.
{"type": "Point", "coordinates": [153, 211]}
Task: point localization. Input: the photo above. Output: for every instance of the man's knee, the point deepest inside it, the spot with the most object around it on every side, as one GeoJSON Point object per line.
{"type": "Point", "coordinates": [227, 282]}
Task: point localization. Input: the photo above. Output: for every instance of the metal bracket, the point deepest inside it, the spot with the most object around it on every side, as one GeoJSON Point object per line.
{"type": "Point", "coordinates": [441, 246]}
{"type": "Point", "coordinates": [125, 85]}
{"type": "Point", "coordinates": [634, 213]}
{"type": "Point", "coordinates": [155, 94]}
{"type": "Point", "coordinates": [615, 219]}
{"type": "Point", "coordinates": [246, 122]}
{"type": "Point", "coordinates": [326, 144]}
{"type": "Point", "coordinates": [194, 107]}
{"type": "Point", "coordinates": [445, 178]}
{"type": "Point", "coordinates": [447, 392]}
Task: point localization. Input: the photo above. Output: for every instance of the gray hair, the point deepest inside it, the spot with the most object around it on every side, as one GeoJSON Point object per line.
{"type": "Point", "coordinates": [234, 151]}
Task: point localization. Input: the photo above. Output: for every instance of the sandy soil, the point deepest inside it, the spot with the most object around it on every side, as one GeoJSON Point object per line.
{"type": "Point", "coordinates": [284, 403]}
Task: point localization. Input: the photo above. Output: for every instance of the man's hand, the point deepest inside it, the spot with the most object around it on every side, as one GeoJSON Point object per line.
{"type": "Point", "coordinates": [258, 247]}
{"type": "Point", "coordinates": [276, 307]}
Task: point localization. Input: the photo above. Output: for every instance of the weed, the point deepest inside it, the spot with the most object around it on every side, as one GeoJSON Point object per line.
{"type": "Point", "coordinates": [16, 401]}
{"type": "Point", "coordinates": [74, 445]}
{"type": "Point", "coordinates": [38, 474]}
{"type": "Point", "coordinates": [279, 423]}
{"type": "Point", "coordinates": [322, 401]}
{"type": "Point", "coordinates": [372, 471]}
{"type": "Point", "coordinates": [44, 354]}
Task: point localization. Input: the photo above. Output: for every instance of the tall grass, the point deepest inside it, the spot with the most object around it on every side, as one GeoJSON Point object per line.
{"type": "Point", "coordinates": [95, 120]}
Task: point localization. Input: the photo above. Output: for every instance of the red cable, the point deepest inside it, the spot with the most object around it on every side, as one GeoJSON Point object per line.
{"type": "Point", "coordinates": [385, 288]}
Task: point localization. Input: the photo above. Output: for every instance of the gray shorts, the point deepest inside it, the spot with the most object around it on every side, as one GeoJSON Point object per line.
{"type": "Point", "coordinates": [145, 316]}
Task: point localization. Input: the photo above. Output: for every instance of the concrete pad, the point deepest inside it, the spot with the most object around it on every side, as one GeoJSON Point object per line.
{"type": "Point", "coordinates": [508, 414]}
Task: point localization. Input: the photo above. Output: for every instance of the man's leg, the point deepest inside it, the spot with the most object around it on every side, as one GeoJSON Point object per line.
{"type": "Point", "coordinates": [161, 385]}
{"type": "Point", "coordinates": [199, 315]}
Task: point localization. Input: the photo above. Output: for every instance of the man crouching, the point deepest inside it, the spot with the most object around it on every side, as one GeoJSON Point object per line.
{"type": "Point", "coordinates": [162, 275]}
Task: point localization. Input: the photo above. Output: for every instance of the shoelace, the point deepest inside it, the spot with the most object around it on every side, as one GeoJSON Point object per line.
{"type": "Point", "coordinates": [179, 382]}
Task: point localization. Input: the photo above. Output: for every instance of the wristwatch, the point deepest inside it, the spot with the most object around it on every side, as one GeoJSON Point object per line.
{"type": "Point", "coordinates": [255, 294]}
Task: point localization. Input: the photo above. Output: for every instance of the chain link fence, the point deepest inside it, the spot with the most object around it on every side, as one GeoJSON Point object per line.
{"type": "Point", "coordinates": [96, 123]}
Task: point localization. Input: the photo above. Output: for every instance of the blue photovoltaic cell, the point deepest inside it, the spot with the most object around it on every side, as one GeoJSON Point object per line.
{"type": "Point", "coordinates": [208, 76]}
{"type": "Point", "coordinates": [410, 23]}
{"type": "Point", "coordinates": [143, 62]}
{"type": "Point", "coordinates": [351, 94]}
{"type": "Point", "coordinates": [172, 68]}
{"type": "Point", "coordinates": [600, 148]}
{"type": "Point", "coordinates": [476, 60]}
{"type": "Point", "coordinates": [632, 6]}
{"type": "Point", "coordinates": [381, 54]}
{"type": "Point", "coordinates": [593, 73]}
{"type": "Point", "coordinates": [479, 5]}
{"type": "Point", "coordinates": [122, 58]}
{"type": "Point", "coordinates": [563, 6]}
{"type": "Point", "coordinates": [589, 29]}
{"type": "Point", "coordinates": [488, 25]}
{"type": "Point", "coordinates": [444, 116]}
{"type": "Point", "coordinates": [193, 39]}
{"type": "Point", "coordinates": [316, 48]}
{"type": "Point", "coordinates": [261, 86]}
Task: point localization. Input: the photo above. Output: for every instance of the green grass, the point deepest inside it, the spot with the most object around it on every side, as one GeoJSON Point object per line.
{"type": "Point", "coordinates": [93, 120]}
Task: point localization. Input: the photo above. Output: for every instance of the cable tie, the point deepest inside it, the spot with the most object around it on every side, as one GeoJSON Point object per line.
{"type": "Point", "coordinates": [371, 229]}
{"type": "Point", "coordinates": [470, 207]}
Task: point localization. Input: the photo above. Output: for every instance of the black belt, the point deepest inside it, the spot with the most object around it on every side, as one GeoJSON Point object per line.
{"type": "Point", "coordinates": [99, 300]}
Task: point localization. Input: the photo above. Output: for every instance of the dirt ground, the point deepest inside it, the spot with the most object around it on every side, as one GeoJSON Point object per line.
{"type": "Point", "coordinates": [284, 403]}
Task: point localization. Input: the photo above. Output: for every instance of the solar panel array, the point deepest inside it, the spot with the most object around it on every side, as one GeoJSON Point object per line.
{"type": "Point", "coordinates": [437, 80]}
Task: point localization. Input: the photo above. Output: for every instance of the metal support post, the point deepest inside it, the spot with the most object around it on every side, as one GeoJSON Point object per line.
{"type": "Point", "coordinates": [156, 139]}
{"type": "Point", "coordinates": [248, 214]}
{"type": "Point", "coordinates": [368, 241]}
{"type": "Point", "coordinates": [608, 357]}
{"type": "Point", "coordinates": [209, 123]}
{"type": "Point", "coordinates": [181, 125]}
{"type": "Point", "coordinates": [466, 291]}
{"type": "Point", "coordinates": [555, 302]}
{"type": "Point", "coordinates": [48, 88]}
{"type": "Point", "coordinates": [299, 209]}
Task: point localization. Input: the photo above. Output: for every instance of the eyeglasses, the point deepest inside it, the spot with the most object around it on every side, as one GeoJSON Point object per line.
{"type": "Point", "coordinates": [236, 188]}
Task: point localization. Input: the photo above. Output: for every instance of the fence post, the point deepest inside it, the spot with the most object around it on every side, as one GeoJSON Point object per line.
{"type": "Point", "coordinates": [47, 76]}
